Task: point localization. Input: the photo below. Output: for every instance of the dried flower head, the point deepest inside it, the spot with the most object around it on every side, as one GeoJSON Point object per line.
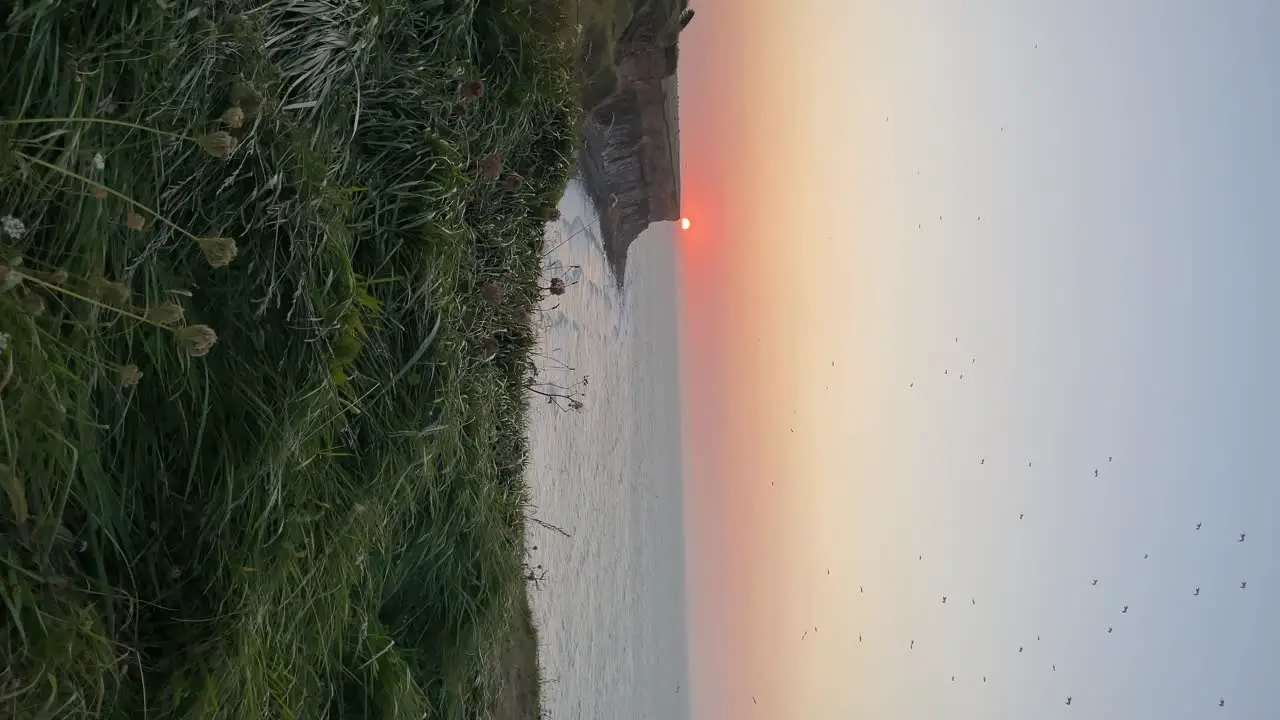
{"type": "Point", "coordinates": [99, 192]}
{"type": "Point", "coordinates": [490, 166]}
{"type": "Point", "coordinates": [135, 221]}
{"type": "Point", "coordinates": [522, 317]}
{"type": "Point", "coordinates": [473, 89]}
{"type": "Point", "coordinates": [233, 117]}
{"type": "Point", "coordinates": [32, 303]}
{"type": "Point", "coordinates": [99, 162]}
{"type": "Point", "coordinates": [492, 292]}
{"type": "Point", "coordinates": [246, 97]}
{"type": "Point", "coordinates": [219, 251]}
{"type": "Point", "coordinates": [57, 277]}
{"type": "Point", "coordinates": [167, 313]}
{"type": "Point", "coordinates": [556, 286]}
{"type": "Point", "coordinates": [513, 183]}
{"type": "Point", "coordinates": [490, 346]}
{"type": "Point", "coordinates": [197, 340]}
{"type": "Point", "coordinates": [111, 293]}
{"type": "Point", "coordinates": [130, 375]}
{"type": "Point", "coordinates": [219, 144]}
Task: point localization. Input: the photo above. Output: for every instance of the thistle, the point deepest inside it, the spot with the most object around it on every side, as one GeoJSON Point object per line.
{"type": "Point", "coordinates": [219, 144]}
{"type": "Point", "coordinates": [166, 314]}
{"type": "Point", "coordinates": [219, 251]}
{"type": "Point", "coordinates": [197, 340]}
{"type": "Point", "coordinates": [130, 375]}
{"type": "Point", "coordinates": [490, 166]}
{"type": "Point", "coordinates": [233, 117]}
{"type": "Point", "coordinates": [135, 221]}
{"type": "Point", "coordinates": [111, 293]}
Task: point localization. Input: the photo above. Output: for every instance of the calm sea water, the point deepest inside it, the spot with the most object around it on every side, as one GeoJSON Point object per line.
{"type": "Point", "coordinates": [611, 611]}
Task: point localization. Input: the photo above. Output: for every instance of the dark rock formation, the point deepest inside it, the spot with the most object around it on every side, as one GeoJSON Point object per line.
{"type": "Point", "coordinates": [630, 160]}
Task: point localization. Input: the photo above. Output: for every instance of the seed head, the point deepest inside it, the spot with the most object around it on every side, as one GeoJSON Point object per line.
{"type": "Point", "coordinates": [130, 375]}
{"type": "Point", "coordinates": [32, 303]}
{"type": "Point", "coordinates": [99, 192]}
{"type": "Point", "coordinates": [111, 293]}
{"type": "Point", "coordinates": [245, 96]}
{"type": "Point", "coordinates": [556, 286]}
{"type": "Point", "coordinates": [197, 340]}
{"type": "Point", "coordinates": [473, 89]}
{"type": "Point", "coordinates": [492, 292]}
{"type": "Point", "coordinates": [99, 162]}
{"type": "Point", "coordinates": [513, 182]}
{"type": "Point", "coordinates": [167, 313]}
{"type": "Point", "coordinates": [233, 117]}
{"type": "Point", "coordinates": [490, 166]}
{"type": "Point", "coordinates": [219, 144]}
{"type": "Point", "coordinates": [135, 221]}
{"type": "Point", "coordinates": [219, 251]}
{"type": "Point", "coordinates": [58, 276]}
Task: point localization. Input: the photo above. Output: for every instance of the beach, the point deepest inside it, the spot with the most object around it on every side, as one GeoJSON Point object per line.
{"type": "Point", "coordinates": [610, 610]}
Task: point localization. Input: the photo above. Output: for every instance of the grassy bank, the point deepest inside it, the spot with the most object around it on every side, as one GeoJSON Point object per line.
{"type": "Point", "coordinates": [267, 277]}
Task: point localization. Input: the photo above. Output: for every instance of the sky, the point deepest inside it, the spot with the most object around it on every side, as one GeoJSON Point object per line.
{"type": "Point", "coordinates": [889, 400]}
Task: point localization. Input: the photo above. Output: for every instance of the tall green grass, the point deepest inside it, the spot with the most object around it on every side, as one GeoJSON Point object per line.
{"type": "Point", "coordinates": [261, 430]}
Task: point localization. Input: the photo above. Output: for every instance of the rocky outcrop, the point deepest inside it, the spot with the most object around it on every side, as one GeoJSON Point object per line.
{"type": "Point", "coordinates": [630, 160]}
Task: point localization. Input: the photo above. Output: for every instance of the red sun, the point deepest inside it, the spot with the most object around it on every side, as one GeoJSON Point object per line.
{"type": "Point", "coordinates": [684, 223]}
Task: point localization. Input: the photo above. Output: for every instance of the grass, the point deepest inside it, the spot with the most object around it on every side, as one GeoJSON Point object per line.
{"type": "Point", "coordinates": [266, 343]}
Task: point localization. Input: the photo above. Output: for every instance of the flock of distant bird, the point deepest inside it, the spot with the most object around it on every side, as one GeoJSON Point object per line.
{"type": "Point", "coordinates": [1124, 610]}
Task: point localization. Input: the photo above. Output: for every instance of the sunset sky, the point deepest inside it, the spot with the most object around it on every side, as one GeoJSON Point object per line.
{"type": "Point", "coordinates": [1114, 309]}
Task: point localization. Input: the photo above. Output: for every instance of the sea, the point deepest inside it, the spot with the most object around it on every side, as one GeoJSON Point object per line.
{"type": "Point", "coordinates": [610, 608]}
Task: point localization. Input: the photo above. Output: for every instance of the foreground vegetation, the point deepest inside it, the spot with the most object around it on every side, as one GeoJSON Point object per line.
{"type": "Point", "coordinates": [265, 293]}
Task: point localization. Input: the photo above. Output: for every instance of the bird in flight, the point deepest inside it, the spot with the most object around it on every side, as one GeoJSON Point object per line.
{"type": "Point", "coordinates": [1095, 581]}
{"type": "Point", "coordinates": [1108, 629]}
{"type": "Point", "coordinates": [1109, 458]}
{"type": "Point", "coordinates": [1020, 515]}
{"type": "Point", "coordinates": [1125, 610]}
{"type": "Point", "coordinates": [1198, 525]}
{"type": "Point", "coordinates": [1068, 699]}
{"type": "Point", "coordinates": [1241, 537]}
{"type": "Point", "coordinates": [1055, 668]}
{"type": "Point", "coordinates": [983, 461]}
{"type": "Point", "coordinates": [1222, 702]}
{"type": "Point", "coordinates": [1095, 472]}
{"type": "Point", "coordinates": [972, 601]}
{"type": "Point", "coordinates": [1146, 555]}
{"type": "Point", "coordinates": [944, 599]}
{"type": "Point", "coordinates": [1197, 592]}
{"type": "Point", "coordinates": [1019, 648]}
{"type": "Point", "coordinates": [1243, 584]}
{"type": "Point", "coordinates": [912, 646]}
{"type": "Point", "coordinates": [753, 700]}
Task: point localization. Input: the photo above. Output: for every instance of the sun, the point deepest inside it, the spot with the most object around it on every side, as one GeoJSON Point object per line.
{"type": "Point", "coordinates": [684, 223]}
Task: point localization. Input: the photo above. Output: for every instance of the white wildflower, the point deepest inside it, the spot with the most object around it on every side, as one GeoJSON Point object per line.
{"type": "Point", "coordinates": [12, 227]}
{"type": "Point", "coordinates": [99, 162]}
